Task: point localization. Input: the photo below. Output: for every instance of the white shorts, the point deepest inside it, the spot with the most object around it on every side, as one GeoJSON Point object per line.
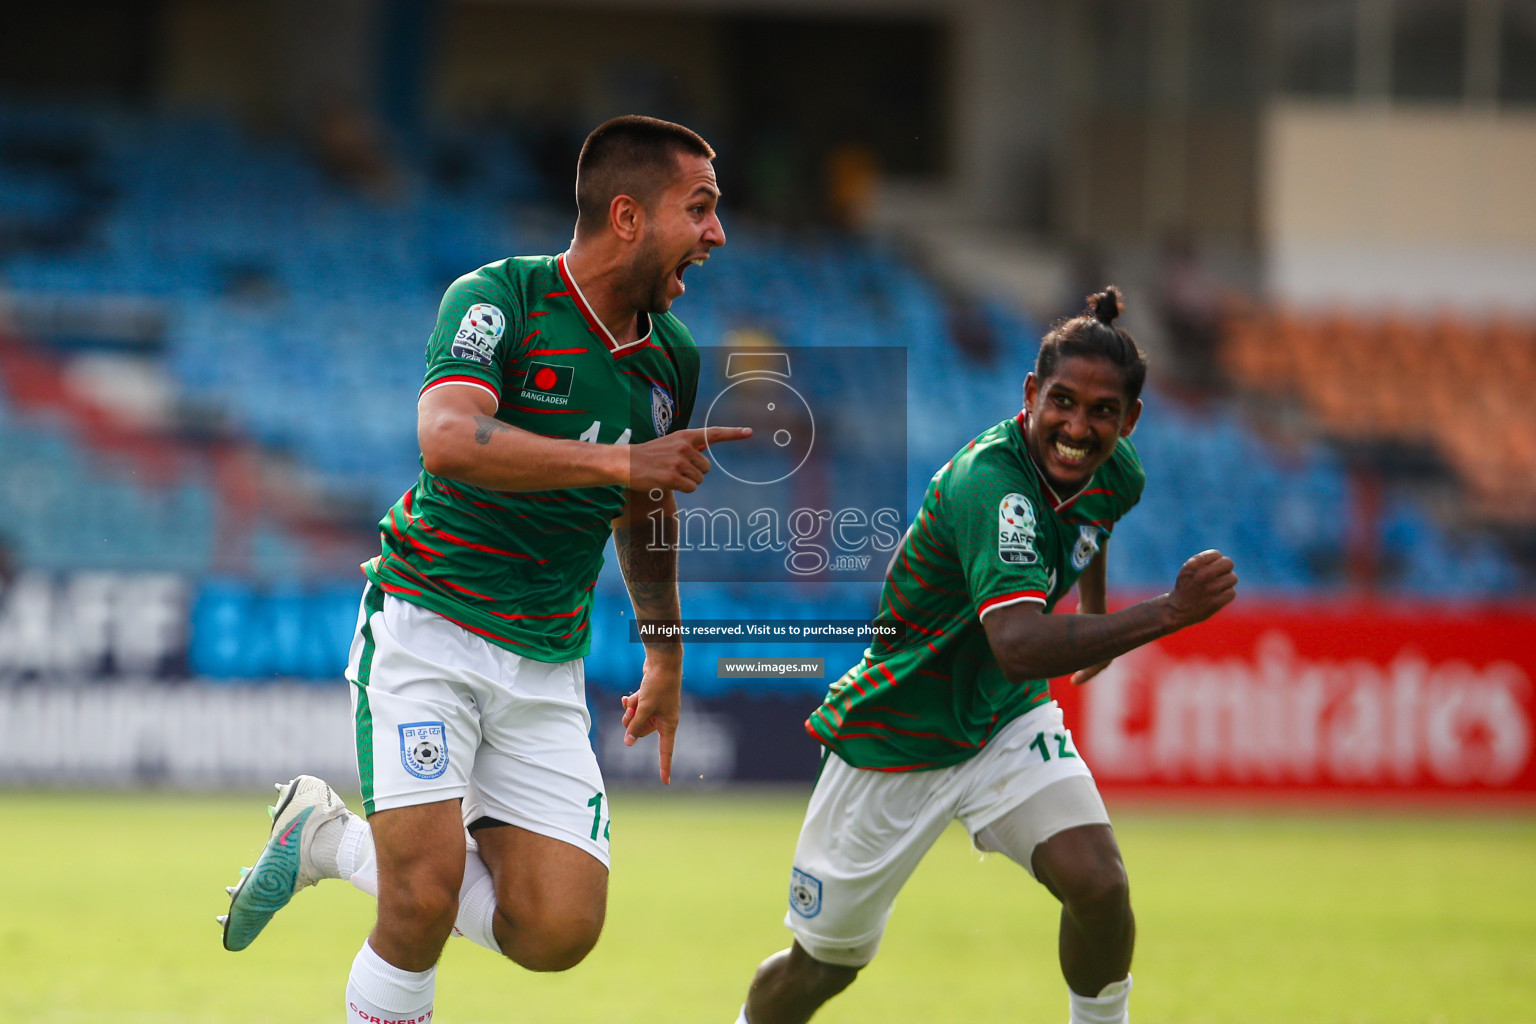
{"type": "Point", "coordinates": [442, 714]}
{"type": "Point", "coordinates": [865, 831]}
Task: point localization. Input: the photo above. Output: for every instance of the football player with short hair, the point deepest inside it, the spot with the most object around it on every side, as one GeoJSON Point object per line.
{"type": "Point", "coordinates": [554, 413]}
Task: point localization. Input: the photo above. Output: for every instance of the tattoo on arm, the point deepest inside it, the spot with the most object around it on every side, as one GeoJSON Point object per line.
{"type": "Point", "coordinates": [1046, 646]}
{"type": "Point", "coordinates": [621, 542]}
{"type": "Point", "coordinates": [486, 426]}
{"type": "Point", "coordinates": [650, 573]}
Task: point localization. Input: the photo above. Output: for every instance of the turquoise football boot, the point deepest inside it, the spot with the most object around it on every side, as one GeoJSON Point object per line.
{"type": "Point", "coordinates": [285, 865]}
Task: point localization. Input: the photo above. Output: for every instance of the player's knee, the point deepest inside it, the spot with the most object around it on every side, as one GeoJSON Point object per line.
{"type": "Point", "coordinates": [816, 978]}
{"type": "Point", "coordinates": [827, 980]}
{"type": "Point", "coordinates": [559, 949]}
{"type": "Point", "coordinates": [553, 944]}
{"type": "Point", "coordinates": [421, 908]}
{"type": "Point", "coordinates": [1098, 891]}
{"type": "Point", "coordinates": [1082, 868]}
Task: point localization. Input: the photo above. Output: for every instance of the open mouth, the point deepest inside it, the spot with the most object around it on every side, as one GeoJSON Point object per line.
{"type": "Point", "coordinates": [1071, 454]}
{"type": "Point", "coordinates": [694, 261]}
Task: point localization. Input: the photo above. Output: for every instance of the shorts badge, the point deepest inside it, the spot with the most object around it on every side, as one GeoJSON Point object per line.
{"type": "Point", "coordinates": [424, 749]}
{"type": "Point", "coordinates": [804, 893]}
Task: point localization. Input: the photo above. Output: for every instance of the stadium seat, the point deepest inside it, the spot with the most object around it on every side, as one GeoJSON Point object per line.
{"type": "Point", "coordinates": [271, 317]}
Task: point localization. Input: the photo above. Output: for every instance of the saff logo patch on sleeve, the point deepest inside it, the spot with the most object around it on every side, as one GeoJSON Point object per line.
{"type": "Point", "coordinates": [424, 749]}
{"type": "Point", "coordinates": [1016, 531]}
{"type": "Point", "coordinates": [479, 331]}
{"type": "Point", "coordinates": [548, 383]}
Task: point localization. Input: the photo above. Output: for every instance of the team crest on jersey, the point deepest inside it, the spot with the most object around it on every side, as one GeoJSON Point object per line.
{"type": "Point", "coordinates": [424, 749]}
{"type": "Point", "coordinates": [804, 893]}
{"type": "Point", "coordinates": [479, 331]}
{"type": "Point", "coordinates": [1016, 531]}
{"type": "Point", "coordinates": [663, 409]}
{"type": "Point", "coordinates": [1086, 547]}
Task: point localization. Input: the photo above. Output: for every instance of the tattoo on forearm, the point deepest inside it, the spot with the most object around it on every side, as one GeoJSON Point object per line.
{"type": "Point", "coordinates": [621, 550]}
{"type": "Point", "coordinates": [1068, 643]}
{"type": "Point", "coordinates": [650, 574]}
{"type": "Point", "coordinates": [486, 426]}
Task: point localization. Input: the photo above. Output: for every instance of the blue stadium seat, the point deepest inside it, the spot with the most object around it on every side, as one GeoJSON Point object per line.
{"type": "Point", "coordinates": [300, 295]}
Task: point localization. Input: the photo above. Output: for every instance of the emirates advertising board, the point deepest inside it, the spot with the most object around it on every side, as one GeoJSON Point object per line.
{"type": "Point", "coordinates": [1302, 699]}
{"type": "Point", "coordinates": [1319, 701]}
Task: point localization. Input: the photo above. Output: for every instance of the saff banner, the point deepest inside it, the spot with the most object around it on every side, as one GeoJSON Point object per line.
{"type": "Point", "coordinates": [1309, 699]}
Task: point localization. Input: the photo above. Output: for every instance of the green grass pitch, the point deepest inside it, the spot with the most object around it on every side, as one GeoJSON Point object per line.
{"type": "Point", "coordinates": [107, 905]}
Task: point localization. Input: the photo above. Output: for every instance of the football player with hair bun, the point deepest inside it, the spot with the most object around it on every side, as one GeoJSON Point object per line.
{"type": "Point", "coordinates": [952, 719]}
{"type": "Point", "coordinates": [554, 413]}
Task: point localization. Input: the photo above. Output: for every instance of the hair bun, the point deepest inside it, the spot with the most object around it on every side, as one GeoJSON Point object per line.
{"type": "Point", "coordinates": [1106, 305]}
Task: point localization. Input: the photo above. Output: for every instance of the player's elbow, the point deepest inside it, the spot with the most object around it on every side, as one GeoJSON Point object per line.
{"type": "Point", "coordinates": [442, 447]}
{"type": "Point", "coordinates": [1019, 645]}
{"type": "Point", "coordinates": [444, 464]}
{"type": "Point", "coordinates": [1022, 657]}
{"type": "Point", "coordinates": [1022, 669]}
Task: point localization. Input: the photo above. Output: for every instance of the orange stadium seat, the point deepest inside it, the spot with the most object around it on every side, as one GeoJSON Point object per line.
{"type": "Point", "coordinates": [1460, 385]}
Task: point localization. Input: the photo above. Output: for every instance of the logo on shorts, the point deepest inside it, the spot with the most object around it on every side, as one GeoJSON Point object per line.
{"type": "Point", "coordinates": [424, 749]}
{"type": "Point", "coordinates": [804, 893]}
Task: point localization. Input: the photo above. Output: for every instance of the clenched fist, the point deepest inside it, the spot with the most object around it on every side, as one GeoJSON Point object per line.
{"type": "Point", "coordinates": [1207, 583]}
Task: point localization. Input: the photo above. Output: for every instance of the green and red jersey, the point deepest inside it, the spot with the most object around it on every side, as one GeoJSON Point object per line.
{"type": "Point", "coordinates": [517, 568]}
{"type": "Point", "coordinates": [991, 532]}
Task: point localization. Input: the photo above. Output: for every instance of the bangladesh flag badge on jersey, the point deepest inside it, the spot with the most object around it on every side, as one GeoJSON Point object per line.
{"type": "Point", "coordinates": [548, 383]}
